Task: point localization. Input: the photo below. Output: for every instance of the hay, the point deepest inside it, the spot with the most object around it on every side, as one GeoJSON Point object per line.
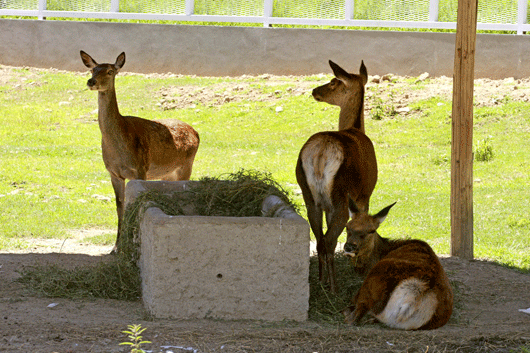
{"type": "Point", "coordinates": [236, 195]}
{"type": "Point", "coordinates": [114, 279]}
{"type": "Point", "coordinates": [325, 306]}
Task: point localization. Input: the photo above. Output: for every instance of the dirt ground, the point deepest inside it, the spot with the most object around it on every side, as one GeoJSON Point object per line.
{"type": "Point", "coordinates": [487, 316]}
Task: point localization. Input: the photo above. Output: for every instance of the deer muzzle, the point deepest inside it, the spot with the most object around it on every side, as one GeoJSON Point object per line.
{"type": "Point", "coordinates": [350, 249]}
{"type": "Point", "coordinates": [91, 83]}
{"type": "Point", "coordinates": [316, 95]}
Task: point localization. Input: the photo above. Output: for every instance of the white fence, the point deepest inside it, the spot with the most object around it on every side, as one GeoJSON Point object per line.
{"type": "Point", "coordinates": [496, 15]}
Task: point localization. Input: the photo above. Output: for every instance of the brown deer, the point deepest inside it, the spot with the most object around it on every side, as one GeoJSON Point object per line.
{"type": "Point", "coordinates": [405, 285]}
{"type": "Point", "coordinates": [335, 166]}
{"type": "Point", "coordinates": [136, 148]}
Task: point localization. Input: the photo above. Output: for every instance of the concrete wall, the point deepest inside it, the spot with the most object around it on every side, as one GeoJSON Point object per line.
{"type": "Point", "coordinates": [231, 51]}
{"type": "Point", "coordinates": [222, 267]}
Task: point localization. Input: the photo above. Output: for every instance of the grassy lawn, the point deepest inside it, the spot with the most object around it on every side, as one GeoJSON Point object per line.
{"type": "Point", "coordinates": [53, 182]}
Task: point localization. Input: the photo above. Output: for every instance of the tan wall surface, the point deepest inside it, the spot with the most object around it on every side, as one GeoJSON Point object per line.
{"type": "Point", "coordinates": [231, 51]}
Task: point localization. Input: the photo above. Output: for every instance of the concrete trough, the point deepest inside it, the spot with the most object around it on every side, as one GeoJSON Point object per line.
{"type": "Point", "coordinates": [222, 267]}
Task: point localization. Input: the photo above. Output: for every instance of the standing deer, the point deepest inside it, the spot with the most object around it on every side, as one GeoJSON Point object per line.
{"type": "Point", "coordinates": [336, 166]}
{"type": "Point", "coordinates": [405, 285]}
{"type": "Point", "coordinates": [136, 148]}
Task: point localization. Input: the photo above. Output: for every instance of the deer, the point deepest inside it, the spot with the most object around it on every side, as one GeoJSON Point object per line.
{"type": "Point", "coordinates": [136, 148]}
{"type": "Point", "coordinates": [336, 166]}
{"type": "Point", "coordinates": [405, 285]}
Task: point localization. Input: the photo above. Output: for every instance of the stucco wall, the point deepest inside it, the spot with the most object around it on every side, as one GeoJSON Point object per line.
{"type": "Point", "coordinates": [230, 51]}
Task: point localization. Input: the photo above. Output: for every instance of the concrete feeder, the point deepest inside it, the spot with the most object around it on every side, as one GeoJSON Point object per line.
{"type": "Point", "coordinates": [223, 267]}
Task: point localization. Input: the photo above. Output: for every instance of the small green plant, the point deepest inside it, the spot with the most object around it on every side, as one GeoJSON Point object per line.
{"type": "Point", "coordinates": [135, 338]}
{"type": "Point", "coordinates": [484, 151]}
{"type": "Point", "coordinates": [514, 222]}
{"type": "Point", "coordinates": [440, 160]}
{"type": "Point", "coordinates": [380, 109]}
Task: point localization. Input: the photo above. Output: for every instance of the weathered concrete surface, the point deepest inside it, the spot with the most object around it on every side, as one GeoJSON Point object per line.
{"type": "Point", "coordinates": [222, 267]}
{"type": "Point", "coordinates": [231, 51]}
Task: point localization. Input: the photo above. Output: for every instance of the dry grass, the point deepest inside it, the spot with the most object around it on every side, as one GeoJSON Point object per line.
{"type": "Point", "coordinates": [114, 279]}
{"type": "Point", "coordinates": [325, 306]}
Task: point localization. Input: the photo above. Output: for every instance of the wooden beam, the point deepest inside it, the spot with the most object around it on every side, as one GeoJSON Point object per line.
{"type": "Point", "coordinates": [462, 131]}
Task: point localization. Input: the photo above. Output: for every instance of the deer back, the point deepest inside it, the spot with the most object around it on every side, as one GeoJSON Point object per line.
{"type": "Point", "coordinates": [412, 287]}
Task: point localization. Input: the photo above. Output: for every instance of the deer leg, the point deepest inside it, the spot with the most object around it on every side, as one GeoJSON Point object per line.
{"type": "Point", "coordinates": [336, 221]}
{"type": "Point", "coordinates": [183, 172]}
{"type": "Point", "coordinates": [356, 312]}
{"type": "Point", "coordinates": [119, 191]}
{"type": "Point", "coordinates": [314, 215]}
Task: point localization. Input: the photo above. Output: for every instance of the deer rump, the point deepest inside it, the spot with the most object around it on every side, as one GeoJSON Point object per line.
{"type": "Point", "coordinates": [407, 289]}
{"type": "Point", "coordinates": [339, 164]}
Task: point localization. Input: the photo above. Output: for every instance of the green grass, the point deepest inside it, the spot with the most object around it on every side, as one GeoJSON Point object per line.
{"type": "Point", "coordinates": [51, 171]}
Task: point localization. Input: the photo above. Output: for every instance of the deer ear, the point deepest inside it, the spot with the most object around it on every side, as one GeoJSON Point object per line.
{"type": "Point", "coordinates": [363, 73]}
{"type": "Point", "coordinates": [120, 61]}
{"type": "Point", "coordinates": [352, 207]}
{"type": "Point", "coordinates": [381, 215]}
{"type": "Point", "coordinates": [340, 73]}
{"type": "Point", "coordinates": [87, 60]}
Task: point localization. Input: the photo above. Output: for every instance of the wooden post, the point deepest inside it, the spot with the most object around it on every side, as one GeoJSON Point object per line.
{"type": "Point", "coordinates": [462, 131]}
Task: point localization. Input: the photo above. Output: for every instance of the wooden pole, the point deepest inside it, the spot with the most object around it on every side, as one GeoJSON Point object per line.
{"type": "Point", "coordinates": [462, 131]}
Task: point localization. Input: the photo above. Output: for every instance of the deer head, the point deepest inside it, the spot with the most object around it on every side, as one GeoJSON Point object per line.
{"type": "Point", "coordinates": [363, 241]}
{"type": "Point", "coordinates": [102, 74]}
{"type": "Point", "coordinates": [346, 91]}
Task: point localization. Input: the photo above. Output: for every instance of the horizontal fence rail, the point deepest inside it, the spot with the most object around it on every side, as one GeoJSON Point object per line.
{"type": "Point", "coordinates": [495, 15]}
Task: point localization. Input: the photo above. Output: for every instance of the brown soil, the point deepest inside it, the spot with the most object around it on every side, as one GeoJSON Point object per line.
{"type": "Point", "coordinates": [486, 317]}
{"type": "Point", "coordinates": [488, 297]}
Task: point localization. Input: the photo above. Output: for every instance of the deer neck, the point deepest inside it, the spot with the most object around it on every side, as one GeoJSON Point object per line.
{"type": "Point", "coordinates": [352, 114]}
{"type": "Point", "coordinates": [388, 245]}
{"type": "Point", "coordinates": [109, 117]}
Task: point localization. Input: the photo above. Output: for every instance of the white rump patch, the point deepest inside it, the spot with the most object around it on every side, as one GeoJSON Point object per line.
{"type": "Point", "coordinates": [410, 305]}
{"type": "Point", "coordinates": [321, 160]}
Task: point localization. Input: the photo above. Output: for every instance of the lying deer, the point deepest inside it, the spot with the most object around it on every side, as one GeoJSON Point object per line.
{"type": "Point", "coordinates": [405, 285]}
{"type": "Point", "coordinates": [135, 148]}
{"type": "Point", "coordinates": [335, 166]}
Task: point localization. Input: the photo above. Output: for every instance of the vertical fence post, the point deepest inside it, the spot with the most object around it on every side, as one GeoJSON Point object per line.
{"type": "Point", "coordinates": [114, 5]}
{"type": "Point", "coordinates": [41, 7]}
{"type": "Point", "coordinates": [349, 9]}
{"type": "Point", "coordinates": [522, 6]}
{"type": "Point", "coordinates": [462, 131]}
{"type": "Point", "coordinates": [434, 10]}
{"type": "Point", "coordinates": [268, 8]}
{"type": "Point", "coordinates": [189, 7]}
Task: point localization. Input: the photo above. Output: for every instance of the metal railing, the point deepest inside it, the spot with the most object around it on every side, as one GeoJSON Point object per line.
{"type": "Point", "coordinates": [495, 15]}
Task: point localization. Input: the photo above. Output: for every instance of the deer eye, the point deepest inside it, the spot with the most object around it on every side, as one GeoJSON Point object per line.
{"type": "Point", "coordinates": [110, 72]}
{"type": "Point", "coordinates": [333, 83]}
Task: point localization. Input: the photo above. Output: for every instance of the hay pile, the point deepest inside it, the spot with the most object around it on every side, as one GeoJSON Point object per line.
{"type": "Point", "coordinates": [325, 306]}
{"type": "Point", "coordinates": [113, 279]}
